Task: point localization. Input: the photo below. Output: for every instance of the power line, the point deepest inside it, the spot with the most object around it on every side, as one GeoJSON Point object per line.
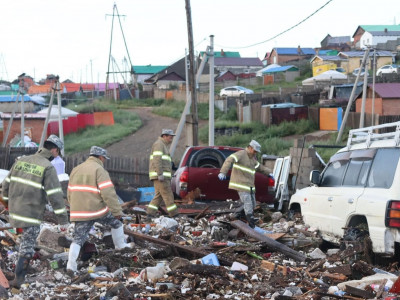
{"type": "Point", "coordinates": [279, 34]}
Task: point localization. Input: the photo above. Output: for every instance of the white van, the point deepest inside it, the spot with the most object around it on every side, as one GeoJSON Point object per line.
{"type": "Point", "coordinates": [359, 188]}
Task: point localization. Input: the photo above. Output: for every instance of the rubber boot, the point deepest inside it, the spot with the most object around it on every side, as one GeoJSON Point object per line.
{"type": "Point", "coordinates": [72, 265]}
{"type": "Point", "coordinates": [118, 238]}
{"type": "Point", "coordinates": [20, 271]}
{"type": "Point", "coordinates": [251, 221]}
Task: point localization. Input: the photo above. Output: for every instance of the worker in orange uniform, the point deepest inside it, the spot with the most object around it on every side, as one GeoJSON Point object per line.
{"type": "Point", "coordinates": [160, 172]}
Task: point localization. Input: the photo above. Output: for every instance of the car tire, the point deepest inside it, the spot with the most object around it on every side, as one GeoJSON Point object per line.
{"type": "Point", "coordinates": [208, 155]}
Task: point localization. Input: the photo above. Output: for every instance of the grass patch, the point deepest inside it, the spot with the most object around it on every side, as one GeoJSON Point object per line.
{"type": "Point", "coordinates": [125, 122]}
{"type": "Point", "coordinates": [270, 138]}
{"type": "Point", "coordinates": [174, 109]}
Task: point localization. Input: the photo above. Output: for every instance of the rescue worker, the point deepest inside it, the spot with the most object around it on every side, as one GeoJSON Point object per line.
{"type": "Point", "coordinates": [245, 165]}
{"type": "Point", "coordinates": [30, 184]}
{"type": "Point", "coordinates": [92, 198]}
{"type": "Point", "coordinates": [160, 172]}
{"type": "Point", "coordinates": [57, 162]}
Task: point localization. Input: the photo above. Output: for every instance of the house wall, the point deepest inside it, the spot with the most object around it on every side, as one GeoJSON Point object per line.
{"type": "Point", "coordinates": [355, 62]}
{"type": "Point", "coordinates": [391, 107]}
{"type": "Point", "coordinates": [368, 106]}
{"type": "Point", "coordinates": [8, 107]}
{"type": "Point", "coordinates": [368, 39]}
{"type": "Point", "coordinates": [291, 75]}
{"type": "Point", "coordinates": [237, 69]}
{"type": "Point", "coordinates": [357, 37]}
{"type": "Point", "coordinates": [35, 126]}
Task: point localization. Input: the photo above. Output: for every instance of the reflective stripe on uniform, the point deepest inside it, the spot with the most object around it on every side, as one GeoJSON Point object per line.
{"type": "Point", "coordinates": [25, 219]}
{"type": "Point", "coordinates": [166, 174]}
{"type": "Point", "coordinates": [153, 206]}
{"type": "Point", "coordinates": [105, 184]}
{"type": "Point", "coordinates": [83, 188]}
{"type": "Point", "coordinates": [88, 214]}
{"type": "Point", "coordinates": [53, 191]}
{"type": "Point", "coordinates": [245, 169]}
{"type": "Point", "coordinates": [157, 153]}
{"type": "Point", "coordinates": [172, 207]}
{"type": "Point", "coordinates": [234, 157]}
{"type": "Point", "coordinates": [5, 198]}
{"type": "Point", "coordinates": [8, 179]}
{"type": "Point", "coordinates": [257, 165]}
{"type": "Point", "coordinates": [26, 181]}
{"type": "Point", "coordinates": [166, 157]}
{"type": "Point", "coordinates": [241, 186]}
{"type": "Point", "coordinates": [60, 210]}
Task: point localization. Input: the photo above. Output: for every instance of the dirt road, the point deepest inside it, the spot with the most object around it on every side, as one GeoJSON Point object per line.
{"type": "Point", "coordinates": [139, 143]}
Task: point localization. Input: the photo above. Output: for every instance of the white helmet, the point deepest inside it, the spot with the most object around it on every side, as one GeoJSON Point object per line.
{"type": "Point", "coordinates": [255, 145]}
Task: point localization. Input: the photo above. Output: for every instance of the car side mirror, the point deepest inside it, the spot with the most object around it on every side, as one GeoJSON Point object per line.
{"type": "Point", "coordinates": [315, 177]}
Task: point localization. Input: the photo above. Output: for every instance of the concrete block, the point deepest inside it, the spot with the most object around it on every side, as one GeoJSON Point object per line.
{"type": "Point", "coordinates": [48, 240]}
{"type": "Point", "coordinates": [298, 143]}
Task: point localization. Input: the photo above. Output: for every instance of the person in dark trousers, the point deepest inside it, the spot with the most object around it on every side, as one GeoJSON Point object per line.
{"type": "Point", "coordinates": [160, 172]}
{"type": "Point", "coordinates": [30, 184]}
{"type": "Point", "coordinates": [92, 198]}
{"type": "Point", "coordinates": [245, 165]}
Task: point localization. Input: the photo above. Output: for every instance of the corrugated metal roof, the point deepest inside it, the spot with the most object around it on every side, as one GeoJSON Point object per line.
{"type": "Point", "coordinates": [339, 39]}
{"type": "Point", "coordinates": [281, 69]}
{"type": "Point", "coordinates": [329, 57]}
{"type": "Point", "coordinates": [238, 61]}
{"type": "Point", "coordinates": [12, 98]}
{"type": "Point", "coordinates": [294, 51]}
{"type": "Point", "coordinates": [361, 53]}
{"type": "Point", "coordinates": [385, 33]}
{"type": "Point", "coordinates": [148, 69]}
{"type": "Point", "coordinates": [223, 54]}
{"type": "Point", "coordinates": [387, 90]}
{"type": "Point", "coordinates": [328, 52]}
{"type": "Point", "coordinates": [380, 27]}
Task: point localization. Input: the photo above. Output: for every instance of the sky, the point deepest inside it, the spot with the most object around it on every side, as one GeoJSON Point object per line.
{"type": "Point", "coordinates": [72, 38]}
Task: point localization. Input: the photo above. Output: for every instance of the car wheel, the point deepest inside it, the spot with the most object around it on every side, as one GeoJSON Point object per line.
{"type": "Point", "coordinates": [207, 157]}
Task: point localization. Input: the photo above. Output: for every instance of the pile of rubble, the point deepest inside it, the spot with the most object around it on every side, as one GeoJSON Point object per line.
{"type": "Point", "coordinates": [201, 255]}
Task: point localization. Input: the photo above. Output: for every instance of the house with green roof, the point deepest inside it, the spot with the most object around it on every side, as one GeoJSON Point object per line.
{"type": "Point", "coordinates": [144, 72]}
{"type": "Point", "coordinates": [222, 53]}
{"type": "Point", "coordinates": [374, 34]}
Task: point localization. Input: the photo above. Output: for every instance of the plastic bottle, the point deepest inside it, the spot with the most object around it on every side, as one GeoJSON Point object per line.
{"type": "Point", "coordinates": [320, 282]}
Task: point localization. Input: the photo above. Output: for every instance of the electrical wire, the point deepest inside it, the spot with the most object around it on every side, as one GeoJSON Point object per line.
{"type": "Point", "coordinates": [279, 34]}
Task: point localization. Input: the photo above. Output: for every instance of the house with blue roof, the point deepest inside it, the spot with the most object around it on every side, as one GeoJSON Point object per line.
{"type": "Point", "coordinates": [282, 56]}
{"type": "Point", "coordinates": [283, 73]}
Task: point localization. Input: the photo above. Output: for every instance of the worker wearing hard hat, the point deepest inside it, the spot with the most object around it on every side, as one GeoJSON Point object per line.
{"type": "Point", "coordinates": [160, 172]}
{"type": "Point", "coordinates": [30, 184]}
{"type": "Point", "coordinates": [245, 165]}
{"type": "Point", "coordinates": [92, 198]}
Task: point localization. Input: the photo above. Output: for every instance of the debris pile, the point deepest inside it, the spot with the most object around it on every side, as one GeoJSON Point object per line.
{"type": "Point", "coordinates": [203, 254]}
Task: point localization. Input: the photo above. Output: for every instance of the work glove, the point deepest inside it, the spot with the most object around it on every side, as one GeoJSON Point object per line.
{"type": "Point", "coordinates": [64, 227]}
{"type": "Point", "coordinates": [160, 177]}
{"type": "Point", "coordinates": [221, 176]}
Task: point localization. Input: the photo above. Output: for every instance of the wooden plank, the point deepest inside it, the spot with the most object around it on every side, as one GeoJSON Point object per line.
{"type": "Point", "coordinates": [274, 245]}
{"type": "Point", "coordinates": [196, 252]}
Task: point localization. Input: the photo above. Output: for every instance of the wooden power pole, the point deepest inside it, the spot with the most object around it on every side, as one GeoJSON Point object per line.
{"type": "Point", "coordinates": [193, 119]}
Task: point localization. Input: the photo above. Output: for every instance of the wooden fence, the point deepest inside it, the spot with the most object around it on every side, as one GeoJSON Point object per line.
{"type": "Point", "coordinates": [124, 171]}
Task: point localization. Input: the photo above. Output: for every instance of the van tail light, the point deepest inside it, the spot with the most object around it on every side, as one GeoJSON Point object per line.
{"type": "Point", "coordinates": [183, 184]}
{"type": "Point", "coordinates": [393, 214]}
{"type": "Point", "coordinates": [271, 184]}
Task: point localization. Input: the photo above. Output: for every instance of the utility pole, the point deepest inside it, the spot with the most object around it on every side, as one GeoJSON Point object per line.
{"type": "Point", "coordinates": [364, 96]}
{"type": "Point", "coordinates": [211, 92]}
{"type": "Point", "coordinates": [343, 125]}
{"type": "Point", "coordinates": [373, 89]}
{"type": "Point", "coordinates": [193, 119]}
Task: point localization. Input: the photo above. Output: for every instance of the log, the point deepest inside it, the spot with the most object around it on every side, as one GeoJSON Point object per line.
{"type": "Point", "coordinates": [181, 248]}
{"type": "Point", "coordinates": [359, 293]}
{"type": "Point", "coordinates": [271, 243]}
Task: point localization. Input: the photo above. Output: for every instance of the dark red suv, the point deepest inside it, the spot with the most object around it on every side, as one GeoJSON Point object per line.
{"type": "Point", "coordinates": [199, 168]}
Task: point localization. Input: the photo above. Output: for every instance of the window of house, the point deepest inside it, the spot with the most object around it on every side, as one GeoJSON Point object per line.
{"type": "Point", "coordinates": [383, 168]}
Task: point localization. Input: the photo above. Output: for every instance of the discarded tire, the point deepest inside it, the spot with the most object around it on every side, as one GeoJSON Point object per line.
{"type": "Point", "coordinates": [207, 158]}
